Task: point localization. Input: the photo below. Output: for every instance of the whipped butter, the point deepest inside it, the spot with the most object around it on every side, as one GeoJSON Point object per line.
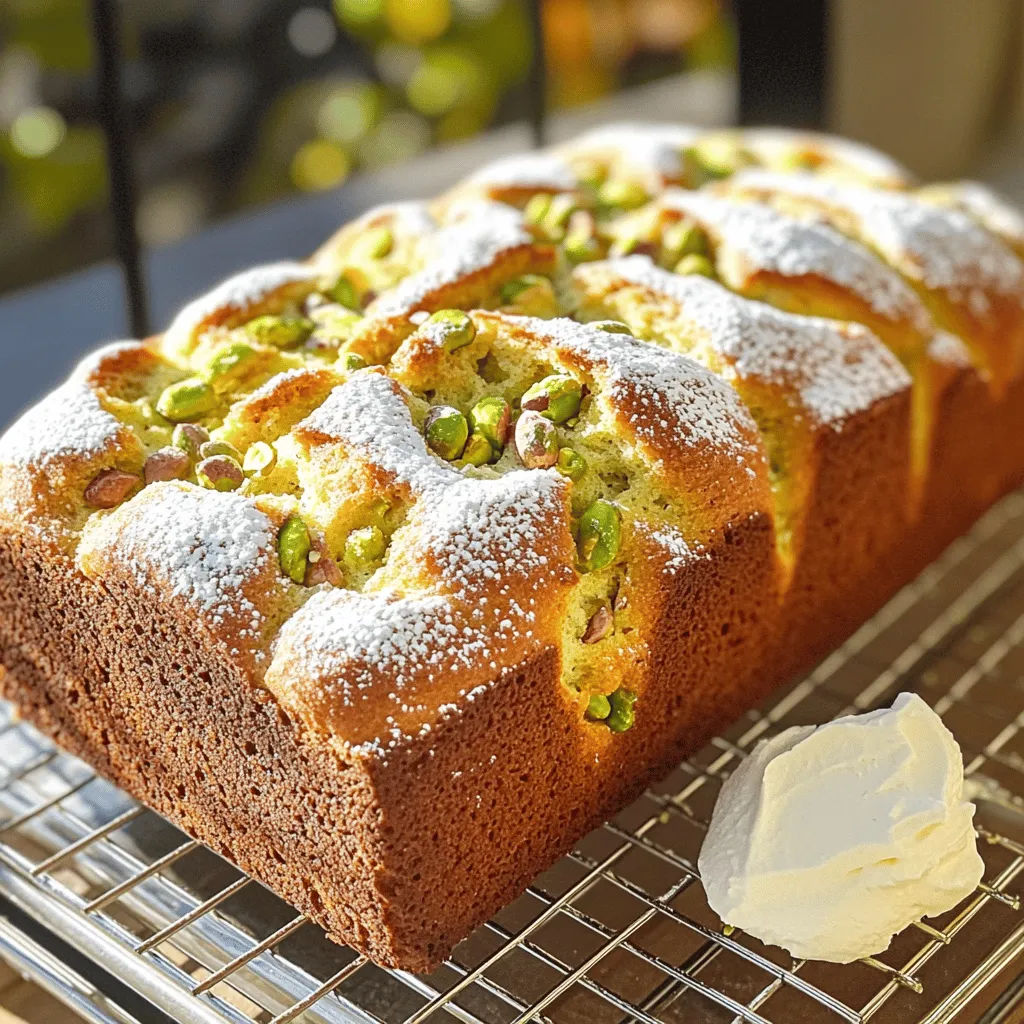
{"type": "Point", "coordinates": [827, 841]}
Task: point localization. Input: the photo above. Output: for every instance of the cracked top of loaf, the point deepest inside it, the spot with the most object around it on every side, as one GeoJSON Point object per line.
{"type": "Point", "coordinates": [474, 431]}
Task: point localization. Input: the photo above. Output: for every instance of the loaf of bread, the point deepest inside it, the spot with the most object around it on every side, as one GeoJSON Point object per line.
{"type": "Point", "coordinates": [390, 574]}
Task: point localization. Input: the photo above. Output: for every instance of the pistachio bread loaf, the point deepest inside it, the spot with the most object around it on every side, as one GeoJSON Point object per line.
{"type": "Point", "coordinates": [390, 574]}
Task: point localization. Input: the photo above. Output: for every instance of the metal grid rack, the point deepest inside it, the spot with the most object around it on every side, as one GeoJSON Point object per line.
{"type": "Point", "coordinates": [619, 930]}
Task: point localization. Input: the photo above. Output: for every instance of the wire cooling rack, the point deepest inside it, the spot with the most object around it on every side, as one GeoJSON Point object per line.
{"type": "Point", "coordinates": [618, 931]}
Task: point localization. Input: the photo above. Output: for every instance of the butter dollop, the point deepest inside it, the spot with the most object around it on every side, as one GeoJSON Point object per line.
{"type": "Point", "coordinates": [829, 840]}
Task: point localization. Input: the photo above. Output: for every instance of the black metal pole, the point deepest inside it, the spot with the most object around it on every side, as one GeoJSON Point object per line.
{"type": "Point", "coordinates": [106, 26]}
{"type": "Point", "coordinates": [783, 62]}
{"type": "Point", "coordinates": [537, 79]}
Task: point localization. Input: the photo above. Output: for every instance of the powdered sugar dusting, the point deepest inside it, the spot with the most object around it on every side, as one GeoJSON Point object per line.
{"type": "Point", "coordinates": [68, 422]}
{"type": "Point", "coordinates": [772, 241]}
{"type": "Point", "coordinates": [949, 349]}
{"type": "Point", "coordinates": [648, 147]}
{"type": "Point", "coordinates": [480, 235]}
{"type": "Point", "coordinates": [684, 403]}
{"type": "Point", "coordinates": [204, 544]}
{"type": "Point", "coordinates": [528, 170]}
{"type": "Point", "coordinates": [985, 206]}
{"type": "Point", "coordinates": [236, 293]}
{"type": "Point", "coordinates": [837, 370]}
{"type": "Point", "coordinates": [943, 248]}
{"type": "Point", "coordinates": [368, 415]}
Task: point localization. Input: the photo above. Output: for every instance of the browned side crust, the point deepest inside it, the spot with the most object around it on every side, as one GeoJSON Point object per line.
{"type": "Point", "coordinates": [400, 859]}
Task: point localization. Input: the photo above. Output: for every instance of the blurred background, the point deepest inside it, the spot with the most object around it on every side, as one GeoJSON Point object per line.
{"type": "Point", "coordinates": [237, 131]}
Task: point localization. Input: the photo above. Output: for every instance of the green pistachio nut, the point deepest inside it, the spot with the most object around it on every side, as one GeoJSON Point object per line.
{"type": "Point", "coordinates": [571, 464]}
{"type": "Point", "coordinates": [621, 194]}
{"type": "Point", "coordinates": [536, 441]}
{"type": "Point", "coordinates": [352, 361]}
{"type": "Point", "coordinates": [228, 364]}
{"type": "Point", "coordinates": [598, 707]}
{"type": "Point", "coordinates": [446, 431]}
{"type": "Point", "coordinates": [581, 248]}
{"type": "Point", "coordinates": [190, 437]}
{"type": "Point", "coordinates": [187, 400]}
{"type": "Point", "coordinates": [537, 208]}
{"type": "Point", "coordinates": [599, 535]}
{"type": "Point", "coordinates": [211, 448]}
{"type": "Point", "coordinates": [557, 397]}
{"type": "Point", "coordinates": [375, 244]}
{"type": "Point", "coordinates": [492, 417]}
{"type": "Point", "coordinates": [478, 450]}
{"type": "Point", "coordinates": [559, 210]}
{"type": "Point", "coordinates": [450, 328]}
{"type": "Point", "coordinates": [694, 264]}
{"type": "Point", "coordinates": [715, 157]}
{"type": "Point", "coordinates": [260, 459]}
{"type": "Point", "coordinates": [293, 547]}
{"type": "Point", "coordinates": [280, 331]}
{"type": "Point", "coordinates": [590, 172]}
{"type": "Point", "coordinates": [220, 473]}
{"type": "Point", "coordinates": [334, 325]}
{"type": "Point", "coordinates": [685, 239]}
{"type": "Point", "coordinates": [610, 326]}
{"type": "Point", "coordinates": [344, 291]}
{"type": "Point", "coordinates": [622, 713]}
{"type": "Point", "coordinates": [149, 414]}
{"type": "Point", "coordinates": [364, 547]}
{"type": "Point", "coordinates": [517, 288]}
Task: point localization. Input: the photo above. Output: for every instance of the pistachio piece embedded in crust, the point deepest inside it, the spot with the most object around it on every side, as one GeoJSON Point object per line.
{"type": "Point", "coordinates": [622, 714]}
{"type": "Point", "coordinates": [478, 450]}
{"type": "Point", "coordinates": [446, 432]}
{"type": "Point", "coordinates": [260, 459]}
{"type": "Point", "coordinates": [571, 464]}
{"type": "Point", "coordinates": [598, 707]}
{"type": "Point", "coordinates": [293, 547]}
{"type": "Point", "coordinates": [220, 473]}
{"type": "Point", "coordinates": [492, 418]}
{"type": "Point", "coordinates": [170, 463]}
{"type": "Point", "coordinates": [364, 547]}
{"type": "Point", "coordinates": [109, 488]}
{"type": "Point", "coordinates": [599, 626]}
{"type": "Point", "coordinates": [557, 396]}
{"type": "Point", "coordinates": [186, 400]}
{"type": "Point", "coordinates": [280, 331]}
{"type": "Point", "coordinates": [536, 441]}
{"type": "Point", "coordinates": [208, 449]}
{"type": "Point", "coordinates": [190, 437]}
{"type": "Point", "coordinates": [599, 535]}
{"type": "Point", "coordinates": [695, 264]}
{"type": "Point", "coordinates": [452, 328]}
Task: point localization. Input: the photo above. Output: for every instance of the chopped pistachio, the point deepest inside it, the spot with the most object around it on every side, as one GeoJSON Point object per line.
{"type": "Point", "coordinates": [694, 264]}
{"type": "Point", "coordinates": [148, 412]}
{"type": "Point", "coordinates": [478, 450]}
{"type": "Point", "coordinates": [212, 448]}
{"type": "Point", "coordinates": [293, 547]}
{"type": "Point", "coordinates": [220, 473]}
{"type": "Point", "coordinates": [622, 194]}
{"type": "Point", "coordinates": [190, 437]}
{"type": "Point", "coordinates": [186, 400]}
{"type": "Point", "coordinates": [685, 239]}
{"type": "Point", "coordinates": [622, 714]}
{"type": "Point", "coordinates": [344, 290]}
{"type": "Point", "coordinates": [260, 459]}
{"type": "Point", "coordinates": [170, 463]}
{"type": "Point", "coordinates": [536, 441]}
{"type": "Point", "coordinates": [364, 547]}
{"type": "Point", "coordinates": [560, 209]}
{"type": "Point", "coordinates": [557, 396]}
{"type": "Point", "coordinates": [451, 328]}
{"type": "Point", "coordinates": [491, 417]}
{"type": "Point", "coordinates": [598, 707]}
{"type": "Point", "coordinates": [599, 536]}
{"type": "Point", "coordinates": [512, 290]}
{"type": "Point", "coordinates": [280, 331]}
{"type": "Point", "coordinates": [109, 488]}
{"type": "Point", "coordinates": [611, 326]}
{"type": "Point", "coordinates": [352, 361]}
{"type": "Point", "coordinates": [599, 626]}
{"type": "Point", "coordinates": [537, 208]}
{"type": "Point", "coordinates": [446, 431]}
{"type": "Point", "coordinates": [376, 243]}
{"type": "Point", "coordinates": [571, 464]}
{"type": "Point", "coordinates": [580, 248]}
{"type": "Point", "coordinates": [715, 157]}
{"type": "Point", "coordinates": [590, 172]}
{"type": "Point", "coordinates": [227, 364]}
